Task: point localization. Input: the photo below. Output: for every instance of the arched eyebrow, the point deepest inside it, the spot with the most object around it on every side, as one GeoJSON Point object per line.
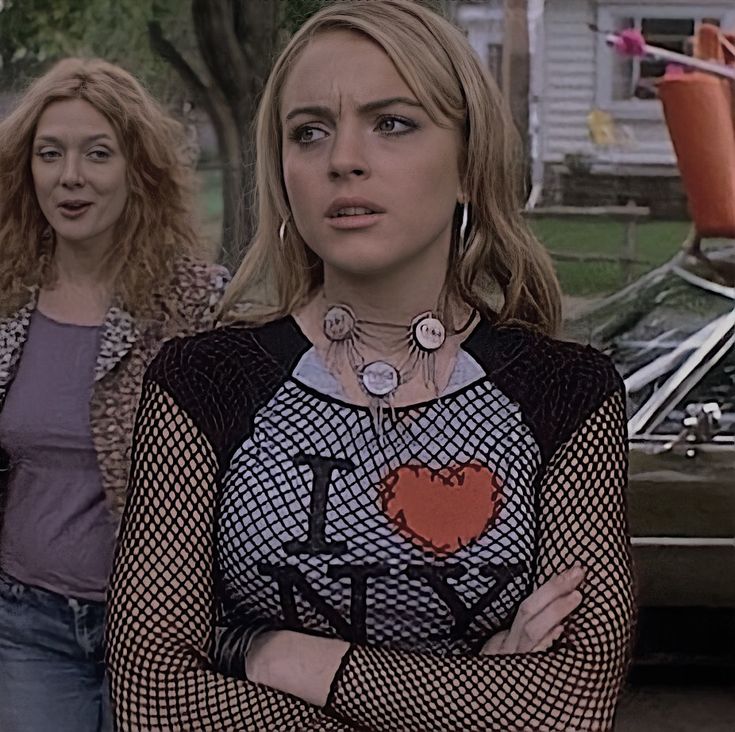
{"type": "Point", "coordinates": [367, 108]}
{"type": "Point", "coordinates": [50, 139]}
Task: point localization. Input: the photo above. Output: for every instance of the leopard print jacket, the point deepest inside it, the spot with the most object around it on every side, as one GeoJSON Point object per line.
{"type": "Point", "coordinates": [128, 345]}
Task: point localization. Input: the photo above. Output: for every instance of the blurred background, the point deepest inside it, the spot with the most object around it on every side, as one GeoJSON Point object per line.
{"type": "Point", "coordinates": [605, 196]}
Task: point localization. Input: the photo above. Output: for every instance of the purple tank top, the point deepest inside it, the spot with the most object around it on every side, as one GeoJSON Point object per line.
{"type": "Point", "coordinates": [57, 533]}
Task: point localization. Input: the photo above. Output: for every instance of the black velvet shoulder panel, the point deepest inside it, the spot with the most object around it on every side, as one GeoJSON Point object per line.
{"type": "Point", "coordinates": [557, 384]}
{"type": "Point", "coordinates": [222, 377]}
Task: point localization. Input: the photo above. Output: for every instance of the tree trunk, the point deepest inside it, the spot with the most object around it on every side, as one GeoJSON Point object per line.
{"type": "Point", "coordinates": [517, 65]}
{"type": "Point", "coordinates": [237, 41]}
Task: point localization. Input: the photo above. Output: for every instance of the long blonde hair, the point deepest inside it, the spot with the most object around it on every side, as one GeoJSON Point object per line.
{"type": "Point", "coordinates": [156, 225]}
{"type": "Point", "coordinates": [434, 58]}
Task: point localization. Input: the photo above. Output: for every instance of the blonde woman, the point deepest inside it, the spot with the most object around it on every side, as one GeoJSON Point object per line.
{"type": "Point", "coordinates": [370, 501]}
{"type": "Point", "coordinates": [97, 268]}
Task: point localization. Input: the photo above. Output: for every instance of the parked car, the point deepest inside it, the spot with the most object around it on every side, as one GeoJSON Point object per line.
{"type": "Point", "coordinates": [672, 336]}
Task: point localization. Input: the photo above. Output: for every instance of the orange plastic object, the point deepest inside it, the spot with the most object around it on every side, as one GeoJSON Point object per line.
{"type": "Point", "coordinates": [728, 48]}
{"type": "Point", "coordinates": [708, 44]}
{"type": "Point", "coordinates": [698, 113]}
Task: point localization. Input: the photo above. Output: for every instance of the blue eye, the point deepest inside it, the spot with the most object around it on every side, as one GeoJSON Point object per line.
{"type": "Point", "coordinates": [99, 154]}
{"type": "Point", "coordinates": [392, 125]}
{"type": "Point", "coordinates": [48, 155]}
{"type": "Point", "coordinates": [307, 134]}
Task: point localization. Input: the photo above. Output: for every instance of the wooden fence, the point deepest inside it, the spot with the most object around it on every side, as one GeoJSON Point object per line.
{"type": "Point", "coordinates": [630, 215]}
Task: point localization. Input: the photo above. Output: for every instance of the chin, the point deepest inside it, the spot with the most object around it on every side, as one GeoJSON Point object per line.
{"type": "Point", "coordinates": [73, 236]}
{"type": "Point", "coordinates": [364, 267]}
{"type": "Point", "coordinates": [77, 237]}
{"type": "Point", "coordinates": [368, 261]}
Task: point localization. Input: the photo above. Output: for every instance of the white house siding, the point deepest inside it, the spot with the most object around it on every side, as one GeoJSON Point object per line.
{"type": "Point", "coordinates": [567, 92]}
{"type": "Point", "coordinates": [571, 68]}
{"type": "Point", "coordinates": [484, 24]}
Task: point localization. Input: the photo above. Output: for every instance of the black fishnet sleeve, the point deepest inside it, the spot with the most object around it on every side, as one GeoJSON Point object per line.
{"type": "Point", "coordinates": [572, 686]}
{"type": "Point", "coordinates": [162, 604]}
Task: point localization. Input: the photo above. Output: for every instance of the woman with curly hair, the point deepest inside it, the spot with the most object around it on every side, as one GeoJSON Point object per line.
{"type": "Point", "coordinates": [384, 497]}
{"type": "Point", "coordinates": [97, 267]}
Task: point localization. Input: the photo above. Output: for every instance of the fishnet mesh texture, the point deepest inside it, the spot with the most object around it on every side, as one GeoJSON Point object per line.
{"type": "Point", "coordinates": [267, 500]}
{"type": "Point", "coordinates": [162, 598]}
{"type": "Point", "coordinates": [574, 685]}
{"type": "Point", "coordinates": [187, 574]}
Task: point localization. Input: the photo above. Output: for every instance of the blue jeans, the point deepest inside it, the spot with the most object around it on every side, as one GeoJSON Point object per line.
{"type": "Point", "coordinates": [52, 674]}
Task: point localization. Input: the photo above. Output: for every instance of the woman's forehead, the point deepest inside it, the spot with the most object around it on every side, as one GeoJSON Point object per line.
{"type": "Point", "coordinates": [341, 67]}
{"type": "Point", "coordinates": [76, 117]}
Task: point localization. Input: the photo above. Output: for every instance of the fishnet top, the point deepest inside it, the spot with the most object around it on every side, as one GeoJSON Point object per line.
{"type": "Point", "coordinates": [257, 501]}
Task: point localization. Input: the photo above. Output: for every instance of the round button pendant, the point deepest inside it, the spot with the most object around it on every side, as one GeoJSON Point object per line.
{"type": "Point", "coordinates": [379, 378]}
{"type": "Point", "coordinates": [428, 332]}
{"type": "Point", "coordinates": [339, 322]}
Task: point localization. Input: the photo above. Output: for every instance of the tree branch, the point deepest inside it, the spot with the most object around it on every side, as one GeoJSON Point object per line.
{"type": "Point", "coordinates": [167, 51]}
{"type": "Point", "coordinates": [221, 52]}
{"type": "Point", "coordinates": [239, 23]}
{"type": "Point", "coordinates": [261, 41]}
{"type": "Point", "coordinates": [209, 97]}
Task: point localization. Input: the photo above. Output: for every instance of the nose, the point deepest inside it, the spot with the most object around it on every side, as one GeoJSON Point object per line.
{"type": "Point", "coordinates": [72, 175]}
{"type": "Point", "coordinates": [347, 155]}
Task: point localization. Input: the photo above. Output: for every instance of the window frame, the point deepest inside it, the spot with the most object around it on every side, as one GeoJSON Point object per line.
{"type": "Point", "coordinates": [607, 13]}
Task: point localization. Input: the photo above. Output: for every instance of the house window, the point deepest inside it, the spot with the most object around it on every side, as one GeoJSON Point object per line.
{"type": "Point", "coordinates": [629, 84]}
{"type": "Point", "coordinates": [635, 78]}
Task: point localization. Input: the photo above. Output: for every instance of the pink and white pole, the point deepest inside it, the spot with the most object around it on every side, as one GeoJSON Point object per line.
{"type": "Point", "coordinates": [632, 43]}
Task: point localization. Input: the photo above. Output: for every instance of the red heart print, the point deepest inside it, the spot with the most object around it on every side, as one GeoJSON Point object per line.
{"type": "Point", "coordinates": [441, 510]}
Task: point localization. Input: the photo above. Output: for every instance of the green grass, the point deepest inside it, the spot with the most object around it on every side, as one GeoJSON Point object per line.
{"type": "Point", "coordinates": [657, 241]}
{"type": "Point", "coordinates": [209, 181]}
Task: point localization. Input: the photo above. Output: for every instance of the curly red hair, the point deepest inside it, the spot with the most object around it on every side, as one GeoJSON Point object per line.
{"type": "Point", "coordinates": [156, 226]}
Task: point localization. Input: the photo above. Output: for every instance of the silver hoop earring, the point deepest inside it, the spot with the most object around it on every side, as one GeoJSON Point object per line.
{"type": "Point", "coordinates": [282, 233]}
{"type": "Point", "coordinates": [462, 243]}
